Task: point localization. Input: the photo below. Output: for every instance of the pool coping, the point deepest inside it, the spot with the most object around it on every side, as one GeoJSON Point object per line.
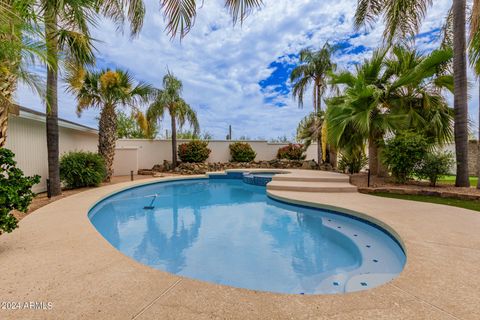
{"type": "Point", "coordinates": [61, 257]}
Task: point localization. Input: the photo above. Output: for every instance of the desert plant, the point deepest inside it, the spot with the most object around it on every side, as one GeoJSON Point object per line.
{"type": "Point", "coordinates": [291, 152]}
{"type": "Point", "coordinates": [352, 162]}
{"type": "Point", "coordinates": [434, 165]}
{"type": "Point", "coordinates": [15, 190]}
{"type": "Point", "coordinates": [80, 169]}
{"type": "Point", "coordinates": [242, 152]}
{"type": "Point", "coordinates": [403, 153]}
{"type": "Point", "coordinates": [194, 151]}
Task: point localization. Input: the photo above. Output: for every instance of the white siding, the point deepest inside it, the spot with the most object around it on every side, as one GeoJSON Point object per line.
{"type": "Point", "coordinates": [27, 139]}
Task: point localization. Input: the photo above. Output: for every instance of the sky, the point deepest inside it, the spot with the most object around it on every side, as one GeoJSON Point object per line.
{"type": "Point", "coordinates": [238, 75]}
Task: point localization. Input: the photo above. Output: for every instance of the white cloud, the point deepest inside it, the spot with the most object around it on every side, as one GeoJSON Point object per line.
{"type": "Point", "coordinates": [221, 65]}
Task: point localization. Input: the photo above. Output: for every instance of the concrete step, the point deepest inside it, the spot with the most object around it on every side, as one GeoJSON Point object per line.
{"type": "Point", "coordinates": [287, 177]}
{"type": "Point", "coordinates": [302, 186]}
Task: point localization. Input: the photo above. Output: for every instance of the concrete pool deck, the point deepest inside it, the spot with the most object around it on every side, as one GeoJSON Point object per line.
{"type": "Point", "coordinates": [57, 256]}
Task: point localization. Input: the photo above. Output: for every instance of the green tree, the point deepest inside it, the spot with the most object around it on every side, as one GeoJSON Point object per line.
{"type": "Point", "coordinates": [169, 100]}
{"type": "Point", "coordinates": [135, 126]}
{"type": "Point", "coordinates": [400, 92]}
{"type": "Point", "coordinates": [313, 72]}
{"type": "Point", "coordinates": [402, 20]}
{"type": "Point", "coordinates": [474, 55]}
{"type": "Point", "coordinates": [18, 50]}
{"type": "Point", "coordinates": [403, 152]}
{"type": "Point", "coordinates": [107, 90]}
{"type": "Point", "coordinates": [15, 190]}
{"type": "Point", "coordinates": [180, 14]}
{"type": "Point", "coordinates": [67, 38]}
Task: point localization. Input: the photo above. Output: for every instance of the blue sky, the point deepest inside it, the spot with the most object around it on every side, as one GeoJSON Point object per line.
{"type": "Point", "coordinates": [238, 75]}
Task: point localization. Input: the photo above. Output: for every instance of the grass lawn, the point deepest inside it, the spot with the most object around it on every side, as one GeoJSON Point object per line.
{"type": "Point", "coordinates": [466, 204]}
{"type": "Point", "coordinates": [451, 180]}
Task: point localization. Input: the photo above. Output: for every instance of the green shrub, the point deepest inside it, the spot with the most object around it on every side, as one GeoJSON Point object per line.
{"type": "Point", "coordinates": [15, 190]}
{"type": "Point", "coordinates": [403, 153]}
{"type": "Point", "coordinates": [434, 165]}
{"type": "Point", "coordinates": [242, 152]}
{"type": "Point", "coordinates": [352, 162]}
{"type": "Point", "coordinates": [194, 151]}
{"type": "Point", "coordinates": [291, 152]}
{"type": "Point", "coordinates": [82, 169]}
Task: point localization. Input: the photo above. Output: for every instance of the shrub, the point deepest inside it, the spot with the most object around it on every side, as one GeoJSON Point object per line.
{"type": "Point", "coordinates": [403, 152]}
{"type": "Point", "coordinates": [82, 169]}
{"type": "Point", "coordinates": [291, 152]}
{"type": "Point", "coordinates": [242, 152]}
{"type": "Point", "coordinates": [435, 165]}
{"type": "Point", "coordinates": [194, 151]}
{"type": "Point", "coordinates": [15, 190]}
{"type": "Point", "coordinates": [352, 162]}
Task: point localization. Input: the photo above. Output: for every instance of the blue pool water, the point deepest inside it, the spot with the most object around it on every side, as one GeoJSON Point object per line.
{"type": "Point", "coordinates": [228, 232]}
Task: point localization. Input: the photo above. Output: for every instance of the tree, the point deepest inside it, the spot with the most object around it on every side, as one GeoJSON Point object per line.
{"type": "Point", "coordinates": [135, 126]}
{"type": "Point", "coordinates": [474, 55]}
{"type": "Point", "coordinates": [68, 39]}
{"type": "Point", "coordinates": [402, 20]}
{"type": "Point", "coordinates": [169, 100]}
{"type": "Point", "coordinates": [180, 14]}
{"type": "Point", "coordinates": [313, 71]}
{"type": "Point", "coordinates": [18, 50]}
{"type": "Point", "coordinates": [401, 92]}
{"type": "Point", "coordinates": [15, 190]}
{"type": "Point", "coordinates": [107, 90]}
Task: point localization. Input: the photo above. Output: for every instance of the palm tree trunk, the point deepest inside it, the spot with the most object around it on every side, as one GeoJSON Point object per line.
{"type": "Point", "coordinates": [52, 103]}
{"type": "Point", "coordinates": [107, 136]}
{"type": "Point", "coordinates": [174, 142]}
{"type": "Point", "coordinates": [460, 93]}
{"type": "Point", "coordinates": [478, 141]}
{"type": "Point", "coordinates": [333, 156]}
{"type": "Point", "coordinates": [8, 84]}
{"type": "Point", "coordinates": [372, 156]}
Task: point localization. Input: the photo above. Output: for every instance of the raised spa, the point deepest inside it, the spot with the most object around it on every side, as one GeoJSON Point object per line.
{"type": "Point", "coordinates": [229, 232]}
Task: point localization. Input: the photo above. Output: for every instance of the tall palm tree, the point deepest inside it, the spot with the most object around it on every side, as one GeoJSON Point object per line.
{"type": "Point", "coordinates": [107, 90]}
{"type": "Point", "coordinates": [18, 50]}
{"type": "Point", "coordinates": [169, 100]}
{"type": "Point", "coordinates": [474, 55]}
{"type": "Point", "coordinates": [67, 36]}
{"type": "Point", "coordinates": [388, 94]}
{"type": "Point", "coordinates": [313, 71]}
{"type": "Point", "coordinates": [402, 20]}
{"type": "Point", "coordinates": [180, 14]}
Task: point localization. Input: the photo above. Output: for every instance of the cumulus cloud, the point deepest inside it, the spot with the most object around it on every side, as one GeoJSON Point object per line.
{"type": "Point", "coordinates": [224, 68]}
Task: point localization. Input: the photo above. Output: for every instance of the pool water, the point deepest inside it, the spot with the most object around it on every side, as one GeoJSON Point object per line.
{"type": "Point", "coordinates": [231, 233]}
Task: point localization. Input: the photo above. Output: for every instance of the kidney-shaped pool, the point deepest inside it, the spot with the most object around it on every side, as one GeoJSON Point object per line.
{"type": "Point", "coordinates": [231, 233]}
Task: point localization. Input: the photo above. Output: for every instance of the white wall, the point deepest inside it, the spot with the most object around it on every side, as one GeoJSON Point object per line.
{"type": "Point", "coordinates": [152, 152]}
{"type": "Point", "coordinates": [27, 139]}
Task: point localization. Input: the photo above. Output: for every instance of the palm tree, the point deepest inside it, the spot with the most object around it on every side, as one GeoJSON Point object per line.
{"type": "Point", "coordinates": [18, 50]}
{"type": "Point", "coordinates": [402, 20]}
{"type": "Point", "coordinates": [107, 90]}
{"type": "Point", "coordinates": [313, 71]}
{"type": "Point", "coordinates": [180, 14]}
{"type": "Point", "coordinates": [389, 94]}
{"type": "Point", "coordinates": [67, 36]}
{"type": "Point", "coordinates": [474, 55]}
{"type": "Point", "coordinates": [169, 100]}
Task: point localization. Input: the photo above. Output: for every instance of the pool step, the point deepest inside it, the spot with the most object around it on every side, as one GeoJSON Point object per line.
{"type": "Point", "coordinates": [308, 186]}
{"type": "Point", "coordinates": [336, 178]}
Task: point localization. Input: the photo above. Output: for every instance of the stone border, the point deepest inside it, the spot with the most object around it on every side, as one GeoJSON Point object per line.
{"type": "Point", "coordinates": [420, 192]}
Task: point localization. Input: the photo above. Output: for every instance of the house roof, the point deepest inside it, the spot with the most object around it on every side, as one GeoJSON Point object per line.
{"type": "Point", "coordinates": [28, 113]}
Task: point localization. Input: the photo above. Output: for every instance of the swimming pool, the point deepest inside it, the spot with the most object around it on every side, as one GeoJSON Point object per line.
{"type": "Point", "coordinates": [260, 178]}
{"type": "Point", "coordinates": [231, 233]}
